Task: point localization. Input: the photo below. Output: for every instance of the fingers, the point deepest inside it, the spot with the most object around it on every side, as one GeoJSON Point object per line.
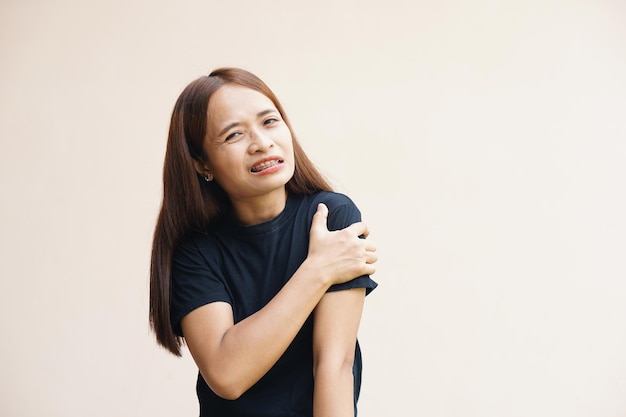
{"type": "Point", "coordinates": [369, 269]}
{"type": "Point", "coordinates": [370, 256]}
{"type": "Point", "coordinates": [320, 218]}
{"type": "Point", "coordinates": [359, 228]}
{"type": "Point", "coordinates": [368, 266]}
{"type": "Point", "coordinates": [369, 246]}
{"type": "Point", "coordinates": [322, 210]}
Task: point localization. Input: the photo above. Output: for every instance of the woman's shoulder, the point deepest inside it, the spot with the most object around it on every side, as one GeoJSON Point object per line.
{"type": "Point", "coordinates": [341, 209]}
{"type": "Point", "coordinates": [332, 199]}
{"type": "Point", "coordinates": [196, 243]}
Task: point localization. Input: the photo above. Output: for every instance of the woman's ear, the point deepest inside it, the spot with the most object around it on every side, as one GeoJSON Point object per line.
{"type": "Point", "coordinates": [203, 170]}
{"type": "Point", "coordinates": [201, 167]}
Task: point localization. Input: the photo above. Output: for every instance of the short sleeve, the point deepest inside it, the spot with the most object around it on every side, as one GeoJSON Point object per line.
{"type": "Point", "coordinates": [194, 283]}
{"type": "Point", "coordinates": [341, 214]}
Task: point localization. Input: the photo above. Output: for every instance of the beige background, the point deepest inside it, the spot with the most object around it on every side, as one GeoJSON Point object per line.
{"type": "Point", "coordinates": [484, 142]}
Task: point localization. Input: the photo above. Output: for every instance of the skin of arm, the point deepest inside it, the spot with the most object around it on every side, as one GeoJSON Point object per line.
{"type": "Point", "coordinates": [336, 323]}
{"type": "Point", "coordinates": [233, 357]}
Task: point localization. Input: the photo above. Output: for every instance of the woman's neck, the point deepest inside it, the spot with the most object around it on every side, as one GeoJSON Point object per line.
{"type": "Point", "coordinates": [255, 210]}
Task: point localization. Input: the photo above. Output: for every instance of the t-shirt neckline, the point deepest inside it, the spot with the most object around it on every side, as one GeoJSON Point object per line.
{"type": "Point", "coordinates": [275, 223]}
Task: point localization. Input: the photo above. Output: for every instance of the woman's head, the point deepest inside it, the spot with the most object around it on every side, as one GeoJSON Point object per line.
{"type": "Point", "coordinates": [248, 149]}
{"type": "Point", "coordinates": [187, 152]}
{"type": "Point", "coordinates": [191, 109]}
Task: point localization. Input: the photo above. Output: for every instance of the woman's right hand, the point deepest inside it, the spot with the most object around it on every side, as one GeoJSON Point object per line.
{"type": "Point", "coordinates": [340, 255]}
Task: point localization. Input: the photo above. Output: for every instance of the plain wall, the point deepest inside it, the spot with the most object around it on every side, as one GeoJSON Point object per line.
{"type": "Point", "coordinates": [485, 143]}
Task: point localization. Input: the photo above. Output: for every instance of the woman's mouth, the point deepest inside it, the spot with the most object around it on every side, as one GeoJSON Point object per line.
{"type": "Point", "coordinates": [265, 165]}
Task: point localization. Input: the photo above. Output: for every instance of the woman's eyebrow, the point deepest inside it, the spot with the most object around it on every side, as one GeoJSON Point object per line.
{"type": "Point", "coordinates": [227, 128]}
{"type": "Point", "coordinates": [264, 112]}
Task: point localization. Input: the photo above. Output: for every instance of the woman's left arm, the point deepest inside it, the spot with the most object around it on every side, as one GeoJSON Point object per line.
{"type": "Point", "coordinates": [336, 323]}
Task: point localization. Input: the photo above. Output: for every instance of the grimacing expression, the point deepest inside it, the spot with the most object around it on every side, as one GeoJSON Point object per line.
{"type": "Point", "coordinates": [248, 145]}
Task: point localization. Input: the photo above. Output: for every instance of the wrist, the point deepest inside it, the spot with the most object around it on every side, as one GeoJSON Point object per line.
{"type": "Point", "coordinates": [313, 270]}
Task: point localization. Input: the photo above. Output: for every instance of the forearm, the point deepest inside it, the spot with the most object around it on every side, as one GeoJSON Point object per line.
{"type": "Point", "coordinates": [337, 318]}
{"type": "Point", "coordinates": [334, 392]}
{"type": "Point", "coordinates": [248, 349]}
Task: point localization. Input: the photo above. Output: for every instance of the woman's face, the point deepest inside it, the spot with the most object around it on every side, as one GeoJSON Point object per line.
{"type": "Point", "coordinates": [248, 145]}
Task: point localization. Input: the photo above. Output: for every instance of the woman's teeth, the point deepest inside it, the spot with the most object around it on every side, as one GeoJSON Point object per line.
{"type": "Point", "coordinates": [265, 165]}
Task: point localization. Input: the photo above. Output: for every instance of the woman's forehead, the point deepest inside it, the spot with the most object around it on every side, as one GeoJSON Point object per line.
{"type": "Point", "coordinates": [237, 101]}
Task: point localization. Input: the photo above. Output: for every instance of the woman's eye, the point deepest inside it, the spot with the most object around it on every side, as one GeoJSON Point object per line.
{"type": "Point", "coordinates": [231, 136]}
{"type": "Point", "coordinates": [270, 121]}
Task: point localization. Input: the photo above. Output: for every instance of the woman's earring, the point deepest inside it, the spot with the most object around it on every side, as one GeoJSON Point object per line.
{"type": "Point", "coordinates": [208, 177]}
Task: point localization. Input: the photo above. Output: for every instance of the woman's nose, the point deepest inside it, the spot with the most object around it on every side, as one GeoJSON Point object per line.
{"type": "Point", "coordinates": [260, 141]}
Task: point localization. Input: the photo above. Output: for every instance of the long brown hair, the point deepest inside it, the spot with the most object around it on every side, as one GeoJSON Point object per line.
{"type": "Point", "coordinates": [189, 202]}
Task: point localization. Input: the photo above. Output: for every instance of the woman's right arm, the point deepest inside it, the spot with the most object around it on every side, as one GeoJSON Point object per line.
{"type": "Point", "coordinates": [233, 357]}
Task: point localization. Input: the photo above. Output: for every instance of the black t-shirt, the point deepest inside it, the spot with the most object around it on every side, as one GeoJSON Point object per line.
{"type": "Point", "coordinates": [246, 266]}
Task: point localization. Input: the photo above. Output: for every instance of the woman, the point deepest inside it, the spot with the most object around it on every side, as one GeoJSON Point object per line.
{"type": "Point", "coordinates": [256, 262]}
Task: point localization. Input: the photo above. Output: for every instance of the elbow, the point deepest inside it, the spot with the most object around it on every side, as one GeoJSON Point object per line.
{"type": "Point", "coordinates": [224, 387]}
{"type": "Point", "coordinates": [228, 393]}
